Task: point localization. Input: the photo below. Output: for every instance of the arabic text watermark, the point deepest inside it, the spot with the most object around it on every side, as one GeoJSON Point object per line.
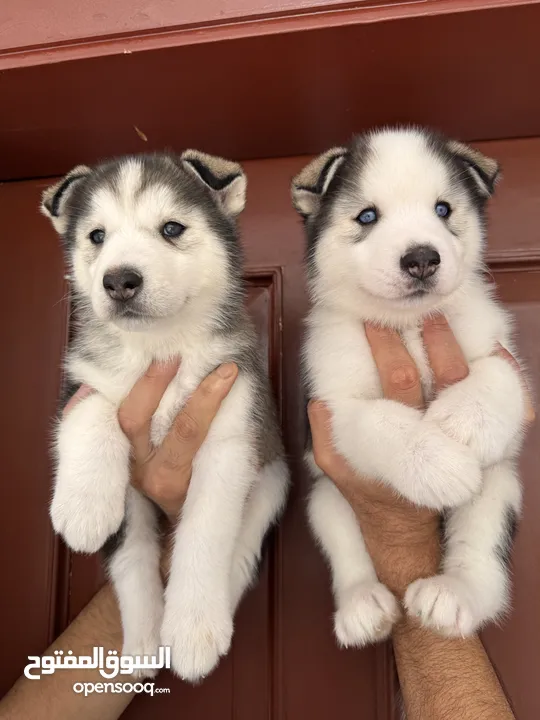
{"type": "Point", "coordinates": [109, 666]}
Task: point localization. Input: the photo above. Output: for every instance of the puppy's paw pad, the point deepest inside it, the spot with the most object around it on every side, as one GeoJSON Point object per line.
{"type": "Point", "coordinates": [457, 416]}
{"type": "Point", "coordinates": [86, 526]}
{"type": "Point", "coordinates": [470, 423]}
{"type": "Point", "coordinates": [442, 603]}
{"type": "Point", "coordinates": [197, 642]}
{"type": "Point", "coordinates": [366, 614]}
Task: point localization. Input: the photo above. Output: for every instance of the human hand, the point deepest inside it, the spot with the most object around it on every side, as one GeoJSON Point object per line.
{"type": "Point", "coordinates": [163, 473]}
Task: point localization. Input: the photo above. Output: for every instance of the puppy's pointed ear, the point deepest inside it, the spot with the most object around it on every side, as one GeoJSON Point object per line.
{"type": "Point", "coordinates": [54, 198]}
{"type": "Point", "coordinates": [309, 186]}
{"type": "Point", "coordinates": [484, 170]}
{"type": "Point", "coordinates": [226, 179]}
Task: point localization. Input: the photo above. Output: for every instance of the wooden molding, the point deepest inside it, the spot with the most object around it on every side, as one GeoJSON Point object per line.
{"type": "Point", "coordinates": [30, 45]}
{"type": "Point", "coordinates": [511, 260]}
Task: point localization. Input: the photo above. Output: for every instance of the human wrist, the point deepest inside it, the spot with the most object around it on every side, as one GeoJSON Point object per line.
{"type": "Point", "coordinates": [398, 567]}
{"type": "Point", "coordinates": [402, 540]}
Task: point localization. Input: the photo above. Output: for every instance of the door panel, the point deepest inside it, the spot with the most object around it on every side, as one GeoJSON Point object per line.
{"type": "Point", "coordinates": [514, 647]}
{"type": "Point", "coordinates": [33, 325]}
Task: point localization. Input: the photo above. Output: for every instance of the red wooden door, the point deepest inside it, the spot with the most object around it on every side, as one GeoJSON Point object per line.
{"type": "Point", "coordinates": [284, 662]}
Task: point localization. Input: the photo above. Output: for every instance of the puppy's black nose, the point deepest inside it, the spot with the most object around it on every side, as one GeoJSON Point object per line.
{"type": "Point", "coordinates": [421, 262]}
{"type": "Point", "coordinates": [122, 284]}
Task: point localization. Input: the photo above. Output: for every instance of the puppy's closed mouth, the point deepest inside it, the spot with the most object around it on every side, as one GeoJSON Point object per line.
{"type": "Point", "coordinates": [420, 292]}
{"type": "Point", "coordinates": [128, 313]}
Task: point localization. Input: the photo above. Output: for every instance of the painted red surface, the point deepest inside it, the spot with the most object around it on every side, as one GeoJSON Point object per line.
{"type": "Point", "coordinates": [49, 22]}
{"type": "Point", "coordinates": [45, 24]}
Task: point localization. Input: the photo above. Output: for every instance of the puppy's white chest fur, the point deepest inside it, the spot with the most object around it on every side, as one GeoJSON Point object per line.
{"type": "Point", "coordinates": [339, 360]}
{"type": "Point", "coordinates": [118, 378]}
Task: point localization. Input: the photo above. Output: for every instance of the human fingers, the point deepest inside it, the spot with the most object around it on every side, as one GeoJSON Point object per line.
{"type": "Point", "coordinates": [400, 379]}
{"type": "Point", "coordinates": [445, 356]}
{"type": "Point", "coordinates": [136, 411]}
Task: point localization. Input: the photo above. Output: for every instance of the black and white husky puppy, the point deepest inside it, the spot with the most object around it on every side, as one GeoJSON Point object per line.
{"type": "Point", "coordinates": [395, 233]}
{"type": "Point", "coordinates": [156, 267]}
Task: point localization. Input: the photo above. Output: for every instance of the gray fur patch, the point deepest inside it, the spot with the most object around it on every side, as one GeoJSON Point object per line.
{"type": "Point", "coordinates": [508, 534]}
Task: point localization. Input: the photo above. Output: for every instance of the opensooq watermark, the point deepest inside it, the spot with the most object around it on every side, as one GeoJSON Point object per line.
{"type": "Point", "coordinates": [109, 666]}
{"type": "Point", "coordinates": [89, 688]}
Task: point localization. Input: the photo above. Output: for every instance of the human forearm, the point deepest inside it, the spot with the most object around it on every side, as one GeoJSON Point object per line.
{"type": "Point", "coordinates": [403, 541]}
{"type": "Point", "coordinates": [440, 678]}
{"type": "Point", "coordinates": [446, 678]}
{"type": "Point", "coordinates": [52, 696]}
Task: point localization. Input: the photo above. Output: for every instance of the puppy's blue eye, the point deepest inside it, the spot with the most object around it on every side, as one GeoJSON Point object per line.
{"type": "Point", "coordinates": [172, 230]}
{"type": "Point", "coordinates": [97, 236]}
{"type": "Point", "coordinates": [367, 216]}
{"type": "Point", "coordinates": [443, 209]}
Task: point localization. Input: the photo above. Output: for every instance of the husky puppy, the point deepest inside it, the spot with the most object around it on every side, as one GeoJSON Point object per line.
{"type": "Point", "coordinates": [395, 233]}
{"type": "Point", "coordinates": [156, 266]}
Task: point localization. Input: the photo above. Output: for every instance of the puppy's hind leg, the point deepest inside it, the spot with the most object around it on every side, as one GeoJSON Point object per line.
{"type": "Point", "coordinates": [198, 622]}
{"type": "Point", "coordinates": [133, 564]}
{"type": "Point", "coordinates": [473, 587]}
{"type": "Point", "coordinates": [365, 609]}
{"type": "Point", "coordinates": [263, 507]}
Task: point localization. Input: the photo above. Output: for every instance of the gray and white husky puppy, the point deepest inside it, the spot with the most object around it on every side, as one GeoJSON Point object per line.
{"type": "Point", "coordinates": [395, 229]}
{"type": "Point", "coordinates": [156, 267]}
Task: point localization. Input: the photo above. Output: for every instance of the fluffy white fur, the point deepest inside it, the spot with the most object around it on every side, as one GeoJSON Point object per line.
{"type": "Point", "coordinates": [459, 455]}
{"type": "Point", "coordinates": [233, 497]}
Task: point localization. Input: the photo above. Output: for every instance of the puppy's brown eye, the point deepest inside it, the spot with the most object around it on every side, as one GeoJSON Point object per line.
{"type": "Point", "coordinates": [97, 236]}
{"type": "Point", "coordinates": [172, 230]}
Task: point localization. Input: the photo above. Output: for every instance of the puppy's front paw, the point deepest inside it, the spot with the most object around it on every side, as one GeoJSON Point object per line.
{"type": "Point", "coordinates": [463, 419]}
{"type": "Point", "coordinates": [198, 637]}
{"type": "Point", "coordinates": [86, 522]}
{"type": "Point", "coordinates": [442, 603]}
{"type": "Point", "coordinates": [366, 614]}
{"type": "Point", "coordinates": [441, 472]}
